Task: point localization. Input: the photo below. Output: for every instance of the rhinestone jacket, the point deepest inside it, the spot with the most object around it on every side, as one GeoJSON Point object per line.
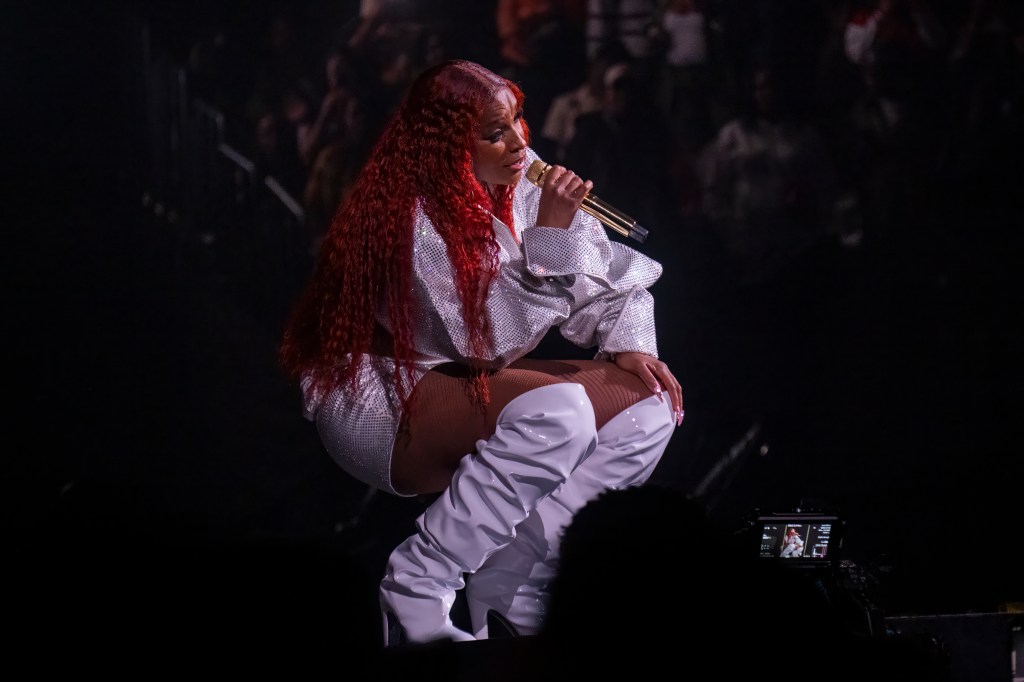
{"type": "Point", "coordinates": [594, 290]}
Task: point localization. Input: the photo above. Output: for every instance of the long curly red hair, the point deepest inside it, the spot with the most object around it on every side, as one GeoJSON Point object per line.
{"type": "Point", "coordinates": [424, 154]}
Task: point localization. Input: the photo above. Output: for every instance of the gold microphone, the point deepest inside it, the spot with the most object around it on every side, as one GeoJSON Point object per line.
{"type": "Point", "coordinates": [612, 218]}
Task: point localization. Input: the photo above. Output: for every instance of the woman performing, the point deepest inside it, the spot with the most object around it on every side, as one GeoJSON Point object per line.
{"type": "Point", "coordinates": [441, 271]}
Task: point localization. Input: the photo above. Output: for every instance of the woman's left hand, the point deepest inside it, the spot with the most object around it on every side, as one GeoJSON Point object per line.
{"type": "Point", "coordinates": [656, 375]}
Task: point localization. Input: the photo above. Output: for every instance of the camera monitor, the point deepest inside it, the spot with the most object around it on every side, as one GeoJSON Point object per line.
{"type": "Point", "coordinates": [800, 539]}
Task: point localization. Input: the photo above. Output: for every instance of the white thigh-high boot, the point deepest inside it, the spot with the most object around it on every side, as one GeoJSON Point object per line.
{"type": "Point", "coordinates": [511, 587]}
{"type": "Point", "coordinates": [541, 436]}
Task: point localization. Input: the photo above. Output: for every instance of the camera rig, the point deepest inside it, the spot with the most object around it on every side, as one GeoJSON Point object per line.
{"type": "Point", "coordinates": [811, 541]}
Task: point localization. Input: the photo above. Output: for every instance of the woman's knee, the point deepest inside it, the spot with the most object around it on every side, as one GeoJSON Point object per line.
{"type": "Point", "coordinates": [612, 390]}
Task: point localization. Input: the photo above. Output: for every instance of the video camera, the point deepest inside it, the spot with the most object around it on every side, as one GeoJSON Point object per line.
{"type": "Point", "coordinates": [801, 539]}
{"type": "Point", "coordinates": [811, 541]}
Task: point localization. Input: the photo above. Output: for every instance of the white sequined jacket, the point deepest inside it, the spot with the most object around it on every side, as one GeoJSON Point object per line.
{"type": "Point", "coordinates": [594, 290]}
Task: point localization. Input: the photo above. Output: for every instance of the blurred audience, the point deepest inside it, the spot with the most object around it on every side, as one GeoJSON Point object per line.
{"type": "Point", "coordinates": [888, 29]}
{"type": "Point", "coordinates": [768, 181]}
{"type": "Point", "coordinates": [626, 147]}
{"type": "Point", "coordinates": [986, 94]}
{"type": "Point", "coordinates": [279, 63]}
{"type": "Point", "coordinates": [519, 22]}
{"type": "Point", "coordinates": [341, 85]}
{"type": "Point", "coordinates": [335, 168]}
{"type": "Point", "coordinates": [276, 151]}
{"type": "Point", "coordinates": [897, 121]}
{"type": "Point", "coordinates": [869, 115]}
{"type": "Point", "coordinates": [689, 97]}
{"type": "Point", "coordinates": [560, 123]}
{"type": "Point", "coordinates": [630, 22]}
{"type": "Point", "coordinates": [541, 47]}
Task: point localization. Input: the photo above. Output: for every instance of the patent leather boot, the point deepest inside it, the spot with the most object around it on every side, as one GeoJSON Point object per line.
{"type": "Point", "coordinates": [511, 587]}
{"type": "Point", "coordinates": [541, 437]}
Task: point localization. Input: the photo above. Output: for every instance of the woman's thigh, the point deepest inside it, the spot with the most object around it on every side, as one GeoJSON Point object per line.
{"type": "Point", "coordinates": [611, 389]}
{"type": "Point", "coordinates": [443, 424]}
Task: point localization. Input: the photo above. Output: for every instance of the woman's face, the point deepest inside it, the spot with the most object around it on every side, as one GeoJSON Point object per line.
{"type": "Point", "coordinates": [500, 150]}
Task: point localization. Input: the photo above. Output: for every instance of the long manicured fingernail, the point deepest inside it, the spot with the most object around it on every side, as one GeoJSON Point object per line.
{"type": "Point", "coordinates": [679, 417]}
{"type": "Point", "coordinates": [657, 391]}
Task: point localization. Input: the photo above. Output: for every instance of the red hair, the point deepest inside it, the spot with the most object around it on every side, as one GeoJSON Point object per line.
{"type": "Point", "coordinates": [424, 155]}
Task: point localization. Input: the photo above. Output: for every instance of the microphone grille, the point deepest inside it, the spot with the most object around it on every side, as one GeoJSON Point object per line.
{"type": "Point", "coordinates": [536, 171]}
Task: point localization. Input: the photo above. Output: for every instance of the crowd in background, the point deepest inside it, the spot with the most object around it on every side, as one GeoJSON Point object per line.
{"type": "Point", "coordinates": [766, 126]}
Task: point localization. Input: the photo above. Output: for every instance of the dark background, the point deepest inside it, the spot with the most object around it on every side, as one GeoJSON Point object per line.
{"type": "Point", "coordinates": [159, 465]}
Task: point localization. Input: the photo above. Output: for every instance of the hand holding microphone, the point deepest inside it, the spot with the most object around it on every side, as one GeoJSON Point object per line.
{"type": "Point", "coordinates": [568, 186]}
